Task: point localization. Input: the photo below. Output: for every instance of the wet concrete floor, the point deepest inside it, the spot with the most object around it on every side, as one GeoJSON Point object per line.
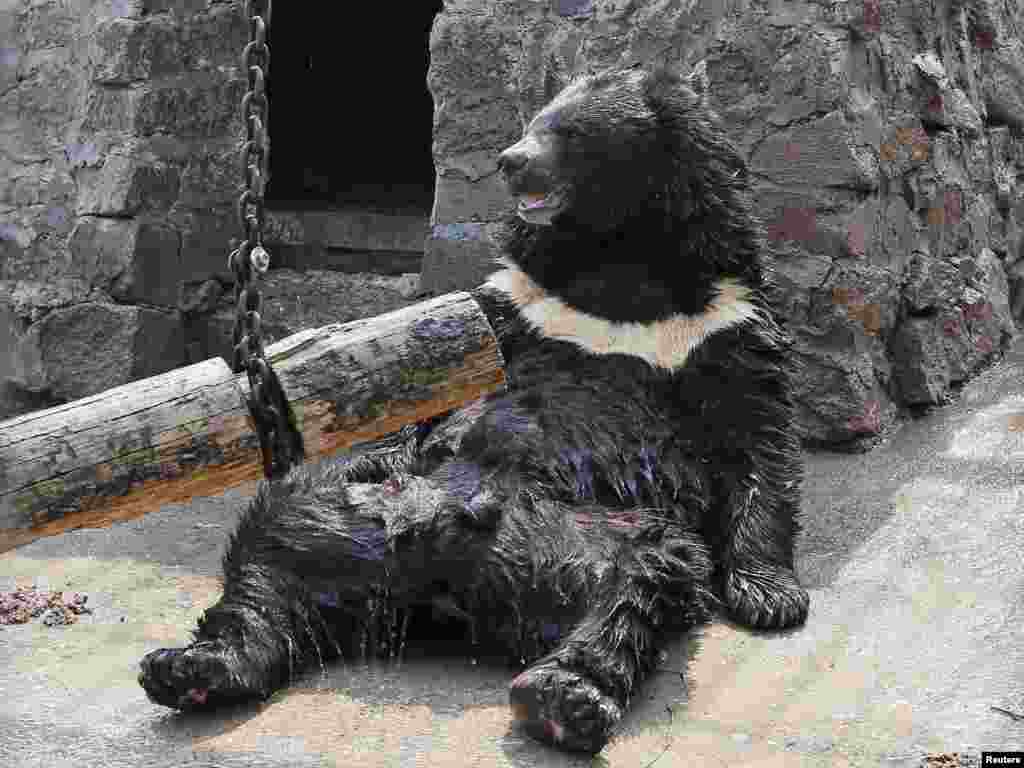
{"type": "Point", "coordinates": [913, 554]}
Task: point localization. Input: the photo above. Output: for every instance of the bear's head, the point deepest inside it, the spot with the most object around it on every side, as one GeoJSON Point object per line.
{"type": "Point", "coordinates": [631, 202]}
{"type": "Point", "coordinates": [619, 145]}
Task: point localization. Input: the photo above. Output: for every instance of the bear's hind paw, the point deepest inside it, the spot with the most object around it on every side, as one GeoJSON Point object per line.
{"type": "Point", "coordinates": [197, 677]}
{"type": "Point", "coordinates": [563, 708]}
{"type": "Point", "coordinates": [765, 597]}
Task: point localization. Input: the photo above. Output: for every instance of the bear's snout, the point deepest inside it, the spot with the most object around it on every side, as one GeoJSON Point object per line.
{"type": "Point", "coordinates": [513, 160]}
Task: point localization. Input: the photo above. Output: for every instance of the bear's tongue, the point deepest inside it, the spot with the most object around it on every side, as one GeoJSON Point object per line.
{"type": "Point", "coordinates": [533, 200]}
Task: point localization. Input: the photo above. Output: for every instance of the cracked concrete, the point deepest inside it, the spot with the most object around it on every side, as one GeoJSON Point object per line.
{"type": "Point", "coordinates": [913, 554]}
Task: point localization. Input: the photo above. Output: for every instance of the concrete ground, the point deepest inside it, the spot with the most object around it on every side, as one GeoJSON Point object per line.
{"type": "Point", "coordinates": [913, 554]}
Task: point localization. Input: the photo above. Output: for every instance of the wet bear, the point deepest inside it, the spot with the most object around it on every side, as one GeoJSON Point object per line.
{"type": "Point", "coordinates": [642, 469]}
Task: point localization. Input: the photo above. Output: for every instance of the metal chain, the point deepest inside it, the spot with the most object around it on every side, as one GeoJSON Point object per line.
{"type": "Point", "coordinates": [280, 440]}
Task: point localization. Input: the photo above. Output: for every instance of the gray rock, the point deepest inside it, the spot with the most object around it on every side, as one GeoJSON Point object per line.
{"type": "Point", "coordinates": [133, 259]}
{"type": "Point", "coordinates": [459, 256]}
{"type": "Point", "coordinates": [79, 350]}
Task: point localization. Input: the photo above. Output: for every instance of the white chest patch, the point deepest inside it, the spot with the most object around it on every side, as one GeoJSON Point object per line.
{"type": "Point", "coordinates": [663, 343]}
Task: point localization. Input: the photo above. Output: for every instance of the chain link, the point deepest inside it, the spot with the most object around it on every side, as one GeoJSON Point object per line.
{"type": "Point", "coordinates": [280, 440]}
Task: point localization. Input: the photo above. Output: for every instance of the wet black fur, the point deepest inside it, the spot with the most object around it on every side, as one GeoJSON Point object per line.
{"type": "Point", "coordinates": [576, 520]}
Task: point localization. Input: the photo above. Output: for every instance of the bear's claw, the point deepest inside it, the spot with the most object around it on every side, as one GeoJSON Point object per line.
{"type": "Point", "coordinates": [563, 708]}
{"type": "Point", "coordinates": [197, 677]}
{"type": "Point", "coordinates": [766, 597]}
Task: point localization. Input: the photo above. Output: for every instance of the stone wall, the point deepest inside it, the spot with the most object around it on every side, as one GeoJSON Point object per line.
{"type": "Point", "coordinates": [119, 123]}
{"type": "Point", "coordinates": [885, 142]}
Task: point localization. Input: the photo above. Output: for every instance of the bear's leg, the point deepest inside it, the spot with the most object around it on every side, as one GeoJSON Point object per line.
{"type": "Point", "coordinates": [306, 537]}
{"type": "Point", "coordinates": [754, 550]}
{"type": "Point", "coordinates": [575, 695]}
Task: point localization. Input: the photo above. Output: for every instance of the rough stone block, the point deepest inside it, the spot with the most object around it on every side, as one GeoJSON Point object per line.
{"type": "Point", "coordinates": [929, 283]}
{"type": "Point", "coordinates": [84, 349]}
{"type": "Point", "coordinates": [836, 393]}
{"type": "Point", "coordinates": [121, 55]}
{"type": "Point", "coordinates": [349, 229]}
{"type": "Point", "coordinates": [124, 185]}
{"type": "Point", "coordinates": [459, 257]}
{"type": "Point", "coordinates": [898, 235]}
{"type": "Point", "coordinates": [457, 199]}
{"type": "Point", "coordinates": [1004, 86]}
{"type": "Point", "coordinates": [211, 179]}
{"type": "Point", "coordinates": [205, 242]}
{"type": "Point", "coordinates": [111, 110]}
{"type": "Point", "coordinates": [921, 369]}
{"type": "Point", "coordinates": [823, 153]}
{"type": "Point", "coordinates": [205, 107]}
{"type": "Point", "coordinates": [993, 317]}
{"type": "Point", "coordinates": [129, 50]}
{"type": "Point", "coordinates": [135, 260]}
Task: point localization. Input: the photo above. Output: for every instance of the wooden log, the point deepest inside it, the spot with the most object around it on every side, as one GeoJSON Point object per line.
{"type": "Point", "coordinates": [130, 450]}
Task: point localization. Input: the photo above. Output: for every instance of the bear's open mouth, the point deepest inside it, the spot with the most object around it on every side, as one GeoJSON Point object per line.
{"type": "Point", "coordinates": [532, 201]}
{"type": "Point", "coordinates": [540, 202]}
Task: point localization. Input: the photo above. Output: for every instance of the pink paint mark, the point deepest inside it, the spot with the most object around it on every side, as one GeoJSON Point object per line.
{"type": "Point", "coordinates": [951, 327]}
{"type": "Point", "coordinates": [198, 695]}
{"type": "Point", "coordinates": [985, 345]}
{"type": "Point", "coordinates": [872, 15]}
{"type": "Point", "coordinates": [554, 731]}
{"type": "Point", "coordinates": [169, 470]}
{"type": "Point", "coordinates": [952, 205]}
{"type": "Point", "coordinates": [797, 224]}
{"type": "Point", "coordinates": [856, 238]}
{"type": "Point", "coordinates": [870, 421]}
{"type": "Point", "coordinates": [623, 520]}
{"type": "Point", "coordinates": [984, 39]}
{"type": "Point", "coordinates": [981, 310]}
{"type": "Point", "coordinates": [791, 151]}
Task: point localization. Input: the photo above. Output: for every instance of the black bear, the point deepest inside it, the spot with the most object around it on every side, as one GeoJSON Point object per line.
{"type": "Point", "coordinates": [642, 468]}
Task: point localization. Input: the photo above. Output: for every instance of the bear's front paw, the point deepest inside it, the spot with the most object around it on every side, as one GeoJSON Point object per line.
{"type": "Point", "coordinates": [197, 677]}
{"type": "Point", "coordinates": [561, 707]}
{"type": "Point", "coordinates": [765, 597]}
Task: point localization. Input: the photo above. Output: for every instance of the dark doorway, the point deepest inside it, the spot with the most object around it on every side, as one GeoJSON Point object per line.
{"type": "Point", "coordinates": [350, 116]}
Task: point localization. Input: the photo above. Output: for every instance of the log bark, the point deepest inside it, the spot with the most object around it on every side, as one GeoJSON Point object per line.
{"type": "Point", "coordinates": [130, 450]}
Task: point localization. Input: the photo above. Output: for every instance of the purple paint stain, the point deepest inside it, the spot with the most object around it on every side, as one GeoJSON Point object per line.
{"type": "Point", "coordinates": [438, 329]}
{"type": "Point", "coordinates": [169, 470]}
{"type": "Point", "coordinates": [326, 599]}
{"type": "Point", "coordinates": [584, 475]}
{"type": "Point", "coordinates": [647, 463]}
{"type": "Point", "coordinates": [457, 232]}
{"type": "Point", "coordinates": [574, 7]}
{"type": "Point", "coordinates": [630, 482]}
{"type": "Point", "coordinates": [368, 543]}
{"type": "Point", "coordinates": [510, 420]}
{"type": "Point", "coordinates": [56, 217]}
{"type": "Point", "coordinates": [550, 632]}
